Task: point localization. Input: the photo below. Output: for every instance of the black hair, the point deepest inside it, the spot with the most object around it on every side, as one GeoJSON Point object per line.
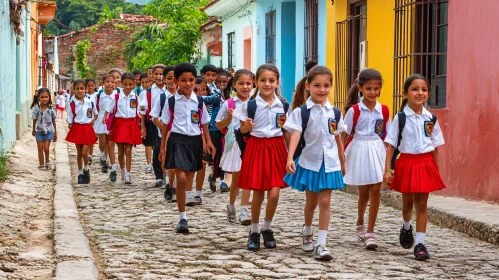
{"type": "Point", "coordinates": [408, 83]}
{"type": "Point", "coordinates": [37, 93]}
{"type": "Point", "coordinates": [224, 74]}
{"type": "Point", "coordinates": [184, 68]}
{"type": "Point", "coordinates": [168, 69]}
{"type": "Point", "coordinates": [272, 68]}
{"type": "Point", "coordinates": [104, 78]}
{"type": "Point", "coordinates": [127, 75]}
{"type": "Point", "coordinates": [79, 81]}
{"type": "Point", "coordinates": [114, 71]}
{"type": "Point", "coordinates": [309, 65]}
{"type": "Point", "coordinates": [150, 68]}
{"type": "Point", "coordinates": [199, 80]}
{"type": "Point", "coordinates": [137, 72]}
{"type": "Point", "coordinates": [300, 95]}
{"type": "Point", "coordinates": [91, 80]}
{"type": "Point", "coordinates": [230, 69]}
{"type": "Point", "coordinates": [220, 70]}
{"type": "Point", "coordinates": [227, 91]}
{"type": "Point", "coordinates": [162, 66]}
{"type": "Point", "coordinates": [364, 76]}
{"type": "Point", "coordinates": [208, 68]}
{"type": "Point", "coordinates": [144, 76]}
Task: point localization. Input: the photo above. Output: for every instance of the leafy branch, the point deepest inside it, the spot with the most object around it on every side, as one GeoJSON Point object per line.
{"type": "Point", "coordinates": [81, 53]}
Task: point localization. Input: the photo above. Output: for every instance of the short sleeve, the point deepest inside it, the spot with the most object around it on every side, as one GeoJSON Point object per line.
{"type": "Point", "coordinates": [437, 137]}
{"type": "Point", "coordinates": [143, 102]}
{"type": "Point", "coordinates": [94, 109]}
{"type": "Point", "coordinates": [293, 121]}
{"type": "Point", "coordinates": [34, 112]}
{"type": "Point", "coordinates": [53, 113]}
{"type": "Point", "coordinates": [156, 109]}
{"type": "Point", "coordinates": [206, 116]}
{"type": "Point", "coordinates": [392, 132]}
{"type": "Point", "coordinates": [223, 112]}
{"type": "Point", "coordinates": [165, 114]}
{"type": "Point", "coordinates": [341, 126]}
{"type": "Point", "coordinates": [241, 112]}
{"type": "Point", "coordinates": [110, 106]}
{"type": "Point", "coordinates": [348, 121]}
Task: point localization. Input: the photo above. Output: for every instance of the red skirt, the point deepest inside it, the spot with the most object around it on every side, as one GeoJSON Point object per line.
{"type": "Point", "coordinates": [416, 174]}
{"type": "Point", "coordinates": [81, 134]}
{"type": "Point", "coordinates": [264, 164]}
{"type": "Point", "coordinates": [125, 131]}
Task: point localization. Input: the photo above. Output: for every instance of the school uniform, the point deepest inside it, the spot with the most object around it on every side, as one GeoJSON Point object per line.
{"type": "Point", "coordinates": [415, 169]}
{"type": "Point", "coordinates": [365, 155]}
{"type": "Point", "coordinates": [101, 104]}
{"type": "Point", "coordinates": [215, 102]}
{"type": "Point", "coordinates": [230, 160]}
{"type": "Point", "coordinates": [184, 148]}
{"type": "Point", "coordinates": [148, 104]}
{"type": "Point", "coordinates": [319, 166]}
{"type": "Point", "coordinates": [264, 161]}
{"type": "Point", "coordinates": [81, 131]}
{"type": "Point", "coordinates": [156, 114]}
{"type": "Point", "coordinates": [125, 128]}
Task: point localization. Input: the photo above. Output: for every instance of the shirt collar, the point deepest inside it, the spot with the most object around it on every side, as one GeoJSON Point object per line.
{"type": "Point", "coordinates": [277, 100]}
{"type": "Point", "coordinates": [377, 107]}
{"type": "Point", "coordinates": [131, 95]}
{"type": "Point", "coordinates": [193, 97]}
{"type": "Point", "coordinates": [311, 103]}
{"type": "Point", "coordinates": [408, 111]}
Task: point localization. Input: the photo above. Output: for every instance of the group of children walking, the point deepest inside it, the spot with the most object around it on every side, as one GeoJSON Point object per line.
{"type": "Point", "coordinates": [241, 125]}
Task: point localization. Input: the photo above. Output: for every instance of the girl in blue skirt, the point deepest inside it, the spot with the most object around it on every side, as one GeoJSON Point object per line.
{"type": "Point", "coordinates": [316, 127]}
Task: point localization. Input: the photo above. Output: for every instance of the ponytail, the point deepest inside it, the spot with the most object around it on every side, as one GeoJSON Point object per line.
{"type": "Point", "coordinates": [352, 97]}
{"type": "Point", "coordinates": [35, 100]}
{"type": "Point", "coordinates": [300, 96]}
{"type": "Point", "coordinates": [226, 92]}
{"type": "Point", "coordinates": [404, 103]}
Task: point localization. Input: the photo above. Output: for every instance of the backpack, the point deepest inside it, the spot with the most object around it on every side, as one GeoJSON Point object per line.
{"type": "Point", "coordinates": [305, 116]}
{"type": "Point", "coordinates": [73, 108]}
{"type": "Point", "coordinates": [171, 108]}
{"type": "Point", "coordinates": [356, 114]}
{"type": "Point", "coordinates": [241, 138]}
{"type": "Point", "coordinates": [231, 105]}
{"type": "Point", "coordinates": [402, 119]}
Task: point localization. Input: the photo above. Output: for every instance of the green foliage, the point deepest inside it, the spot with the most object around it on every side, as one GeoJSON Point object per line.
{"type": "Point", "coordinates": [81, 52]}
{"type": "Point", "coordinates": [74, 25]}
{"type": "Point", "coordinates": [4, 167]}
{"type": "Point", "coordinates": [94, 29]}
{"type": "Point", "coordinates": [122, 26]}
{"type": "Point", "coordinates": [174, 43]}
{"type": "Point", "coordinates": [108, 14]}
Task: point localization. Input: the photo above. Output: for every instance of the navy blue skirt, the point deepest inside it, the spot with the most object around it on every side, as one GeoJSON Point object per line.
{"type": "Point", "coordinates": [184, 152]}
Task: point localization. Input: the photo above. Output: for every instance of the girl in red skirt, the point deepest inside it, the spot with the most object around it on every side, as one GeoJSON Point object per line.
{"type": "Point", "coordinates": [264, 161]}
{"type": "Point", "coordinates": [81, 117]}
{"type": "Point", "coordinates": [417, 135]}
{"type": "Point", "coordinates": [125, 130]}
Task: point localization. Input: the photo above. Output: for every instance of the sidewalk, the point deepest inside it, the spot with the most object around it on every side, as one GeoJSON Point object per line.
{"type": "Point", "coordinates": [476, 219]}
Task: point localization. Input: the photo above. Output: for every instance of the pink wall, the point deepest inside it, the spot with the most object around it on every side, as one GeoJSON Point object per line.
{"type": "Point", "coordinates": [470, 158]}
{"type": "Point", "coordinates": [247, 37]}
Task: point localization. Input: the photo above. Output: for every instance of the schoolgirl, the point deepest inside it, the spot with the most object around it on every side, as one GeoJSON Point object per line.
{"type": "Point", "coordinates": [185, 115]}
{"type": "Point", "coordinates": [106, 146]}
{"type": "Point", "coordinates": [124, 128]}
{"type": "Point", "coordinates": [145, 83]}
{"type": "Point", "coordinates": [417, 135]}
{"type": "Point", "coordinates": [44, 127]}
{"type": "Point", "coordinates": [61, 104]}
{"type": "Point", "coordinates": [117, 78]}
{"type": "Point", "coordinates": [230, 161]}
{"type": "Point", "coordinates": [316, 126]}
{"type": "Point", "coordinates": [91, 93]}
{"type": "Point", "coordinates": [81, 118]}
{"type": "Point", "coordinates": [138, 85]}
{"type": "Point", "coordinates": [264, 160]}
{"type": "Point", "coordinates": [367, 123]}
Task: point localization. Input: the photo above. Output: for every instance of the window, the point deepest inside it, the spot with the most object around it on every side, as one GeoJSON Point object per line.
{"type": "Point", "coordinates": [231, 38]}
{"type": "Point", "coordinates": [311, 30]}
{"type": "Point", "coordinates": [421, 47]}
{"type": "Point", "coordinates": [270, 37]}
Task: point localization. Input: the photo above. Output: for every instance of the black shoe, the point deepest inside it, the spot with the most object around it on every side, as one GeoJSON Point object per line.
{"type": "Point", "coordinates": [168, 193]}
{"type": "Point", "coordinates": [182, 226]}
{"type": "Point", "coordinates": [406, 238]}
{"type": "Point", "coordinates": [89, 160]}
{"type": "Point", "coordinates": [198, 200]}
{"type": "Point", "coordinates": [103, 163]}
{"type": "Point", "coordinates": [268, 239]}
{"type": "Point", "coordinates": [420, 252]}
{"type": "Point", "coordinates": [224, 187]}
{"type": "Point", "coordinates": [158, 184]}
{"type": "Point", "coordinates": [112, 176]}
{"type": "Point", "coordinates": [86, 175]}
{"type": "Point", "coordinates": [174, 195]}
{"type": "Point", "coordinates": [104, 168]}
{"type": "Point", "coordinates": [81, 179]}
{"type": "Point", "coordinates": [254, 241]}
{"type": "Point", "coordinates": [213, 183]}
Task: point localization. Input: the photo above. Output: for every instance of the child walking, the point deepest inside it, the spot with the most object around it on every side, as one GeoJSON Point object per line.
{"type": "Point", "coordinates": [81, 118]}
{"type": "Point", "coordinates": [318, 124]}
{"type": "Point", "coordinates": [417, 135]}
{"type": "Point", "coordinates": [91, 93]}
{"type": "Point", "coordinates": [61, 106]}
{"type": "Point", "coordinates": [367, 123]}
{"type": "Point", "coordinates": [185, 115]}
{"type": "Point", "coordinates": [125, 131]}
{"type": "Point", "coordinates": [44, 127]}
{"type": "Point", "coordinates": [264, 159]}
{"type": "Point", "coordinates": [230, 161]}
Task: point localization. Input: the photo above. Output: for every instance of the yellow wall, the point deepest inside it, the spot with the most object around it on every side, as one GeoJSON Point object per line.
{"type": "Point", "coordinates": [34, 47]}
{"type": "Point", "coordinates": [334, 13]}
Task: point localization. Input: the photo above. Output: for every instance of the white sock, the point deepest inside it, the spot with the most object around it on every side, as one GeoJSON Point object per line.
{"type": "Point", "coordinates": [321, 237]}
{"type": "Point", "coordinates": [102, 155]}
{"type": "Point", "coordinates": [182, 215]}
{"type": "Point", "coordinates": [255, 228]}
{"type": "Point", "coordinates": [123, 170]}
{"type": "Point", "coordinates": [85, 167]}
{"type": "Point", "coordinates": [420, 236]}
{"type": "Point", "coordinates": [232, 207]}
{"type": "Point", "coordinates": [243, 208]}
{"type": "Point", "coordinates": [188, 194]}
{"type": "Point", "coordinates": [267, 224]}
{"type": "Point", "coordinates": [113, 167]}
{"type": "Point", "coordinates": [308, 230]}
{"type": "Point", "coordinates": [407, 225]}
{"type": "Point", "coordinates": [80, 172]}
{"type": "Point", "coordinates": [198, 193]}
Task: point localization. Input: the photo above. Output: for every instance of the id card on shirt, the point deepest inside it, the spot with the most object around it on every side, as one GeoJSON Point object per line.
{"type": "Point", "coordinates": [133, 103]}
{"type": "Point", "coordinates": [280, 119]}
{"type": "Point", "coordinates": [194, 117]}
{"type": "Point", "coordinates": [378, 127]}
{"type": "Point", "coordinates": [428, 128]}
{"type": "Point", "coordinates": [331, 123]}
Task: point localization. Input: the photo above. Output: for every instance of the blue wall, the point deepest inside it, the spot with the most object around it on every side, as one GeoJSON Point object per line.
{"type": "Point", "coordinates": [288, 49]}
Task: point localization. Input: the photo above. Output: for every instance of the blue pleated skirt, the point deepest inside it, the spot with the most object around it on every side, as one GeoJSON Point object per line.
{"type": "Point", "coordinates": [308, 180]}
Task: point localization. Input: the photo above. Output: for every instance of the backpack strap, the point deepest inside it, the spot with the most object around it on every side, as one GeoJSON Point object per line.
{"type": "Point", "coordinates": [386, 116]}
{"type": "Point", "coordinates": [433, 119]}
{"type": "Point", "coordinates": [337, 115]}
{"type": "Point", "coordinates": [402, 119]}
{"type": "Point", "coordinates": [98, 101]}
{"type": "Point", "coordinates": [305, 116]}
{"type": "Point", "coordinates": [149, 101]}
{"type": "Point", "coordinates": [285, 105]}
{"type": "Point", "coordinates": [73, 109]}
{"type": "Point", "coordinates": [200, 110]}
{"type": "Point", "coordinates": [251, 108]}
{"type": "Point", "coordinates": [356, 115]}
{"type": "Point", "coordinates": [117, 98]}
{"type": "Point", "coordinates": [162, 100]}
{"type": "Point", "coordinates": [231, 104]}
{"type": "Point", "coordinates": [171, 109]}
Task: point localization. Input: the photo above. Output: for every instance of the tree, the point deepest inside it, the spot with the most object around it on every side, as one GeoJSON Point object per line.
{"type": "Point", "coordinates": [174, 43]}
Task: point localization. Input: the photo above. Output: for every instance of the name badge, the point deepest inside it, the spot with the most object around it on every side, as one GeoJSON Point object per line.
{"type": "Point", "coordinates": [194, 117]}
{"type": "Point", "coordinates": [331, 124]}
{"type": "Point", "coordinates": [133, 103]}
{"type": "Point", "coordinates": [90, 113]}
{"type": "Point", "coordinates": [280, 119]}
{"type": "Point", "coordinates": [428, 128]}
{"type": "Point", "coordinates": [378, 127]}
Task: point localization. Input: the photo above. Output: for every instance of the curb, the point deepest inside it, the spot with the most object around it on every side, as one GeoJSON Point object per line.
{"type": "Point", "coordinates": [479, 220]}
{"type": "Point", "coordinates": [72, 251]}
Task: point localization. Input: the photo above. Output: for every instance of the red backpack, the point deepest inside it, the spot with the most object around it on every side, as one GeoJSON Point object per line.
{"type": "Point", "coordinates": [356, 114]}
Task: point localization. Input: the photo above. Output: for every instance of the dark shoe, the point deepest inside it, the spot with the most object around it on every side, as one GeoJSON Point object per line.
{"type": "Point", "coordinates": [198, 200]}
{"type": "Point", "coordinates": [224, 187]}
{"type": "Point", "coordinates": [174, 195]}
{"type": "Point", "coordinates": [159, 183]}
{"type": "Point", "coordinates": [103, 163]}
{"type": "Point", "coordinates": [182, 226]}
{"type": "Point", "coordinates": [113, 176]}
{"type": "Point", "coordinates": [406, 238]}
{"type": "Point", "coordinates": [89, 159]}
{"type": "Point", "coordinates": [213, 183]}
{"type": "Point", "coordinates": [86, 175]}
{"type": "Point", "coordinates": [268, 239]}
{"type": "Point", "coordinates": [421, 253]}
{"type": "Point", "coordinates": [104, 168]}
{"type": "Point", "coordinates": [254, 241]}
{"type": "Point", "coordinates": [81, 179]}
{"type": "Point", "coordinates": [168, 193]}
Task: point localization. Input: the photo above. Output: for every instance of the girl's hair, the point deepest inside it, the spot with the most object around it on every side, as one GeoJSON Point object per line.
{"type": "Point", "coordinates": [127, 75]}
{"type": "Point", "coordinates": [37, 94]}
{"type": "Point", "coordinates": [226, 92]}
{"type": "Point", "coordinates": [199, 80]}
{"type": "Point", "coordinates": [144, 76]}
{"type": "Point", "coordinates": [90, 80]}
{"type": "Point", "coordinates": [114, 71]}
{"type": "Point", "coordinates": [408, 83]}
{"type": "Point", "coordinates": [104, 78]}
{"type": "Point", "coordinates": [272, 68]}
{"type": "Point", "coordinates": [301, 95]}
{"type": "Point", "coordinates": [233, 80]}
{"type": "Point", "coordinates": [364, 76]}
{"type": "Point", "coordinates": [79, 81]}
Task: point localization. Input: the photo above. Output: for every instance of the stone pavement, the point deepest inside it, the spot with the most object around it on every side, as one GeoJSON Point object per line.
{"type": "Point", "coordinates": [131, 231]}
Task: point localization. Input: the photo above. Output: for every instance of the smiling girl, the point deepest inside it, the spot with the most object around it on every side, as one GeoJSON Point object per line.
{"type": "Point", "coordinates": [44, 127]}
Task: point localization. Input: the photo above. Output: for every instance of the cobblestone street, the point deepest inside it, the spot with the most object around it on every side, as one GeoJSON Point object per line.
{"type": "Point", "coordinates": [131, 230]}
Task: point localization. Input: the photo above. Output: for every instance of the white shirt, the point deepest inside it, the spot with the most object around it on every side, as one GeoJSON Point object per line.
{"type": "Point", "coordinates": [370, 123]}
{"type": "Point", "coordinates": [156, 106]}
{"type": "Point", "coordinates": [104, 101]}
{"type": "Point", "coordinates": [418, 137]}
{"type": "Point", "coordinates": [93, 97]}
{"type": "Point", "coordinates": [62, 100]}
{"type": "Point", "coordinates": [155, 97]}
{"type": "Point", "coordinates": [84, 111]}
{"type": "Point", "coordinates": [186, 120]}
{"type": "Point", "coordinates": [319, 136]}
{"type": "Point", "coordinates": [268, 119]}
{"type": "Point", "coordinates": [223, 113]}
{"type": "Point", "coordinates": [127, 105]}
